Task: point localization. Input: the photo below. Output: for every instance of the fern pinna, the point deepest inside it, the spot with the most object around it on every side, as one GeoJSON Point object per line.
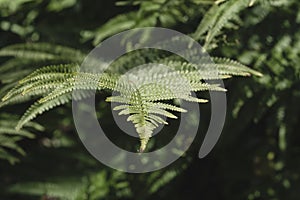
{"type": "Point", "coordinates": [142, 92]}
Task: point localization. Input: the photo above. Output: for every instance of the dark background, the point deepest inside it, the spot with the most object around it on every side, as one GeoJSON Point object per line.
{"type": "Point", "coordinates": [258, 154]}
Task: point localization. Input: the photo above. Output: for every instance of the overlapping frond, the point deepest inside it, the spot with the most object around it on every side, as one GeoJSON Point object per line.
{"type": "Point", "coordinates": [42, 51]}
{"type": "Point", "coordinates": [25, 58]}
{"type": "Point", "coordinates": [163, 13]}
{"type": "Point", "coordinates": [217, 17]}
{"type": "Point", "coordinates": [9, 137]}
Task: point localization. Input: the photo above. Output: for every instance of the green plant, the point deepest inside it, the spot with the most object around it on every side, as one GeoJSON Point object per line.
{"type": "Point", "coordinates": [262, 125]}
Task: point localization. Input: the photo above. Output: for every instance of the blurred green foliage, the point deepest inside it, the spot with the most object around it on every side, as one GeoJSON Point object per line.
{"type": "Point", "coordinates": [258, 155]}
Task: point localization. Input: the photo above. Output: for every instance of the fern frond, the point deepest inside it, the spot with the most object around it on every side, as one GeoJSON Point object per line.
{"type": "Point", "coordinates": [140, 90]}
{"type": "Point", "coordinates": [228, 11]}
{"type": "Point", "coordinates": [10, 77]}
{"type": "Point", "coordinates": [63, 189]}
{"type": "Point", "coordinates": [9, 137]}
{"type": "Point", "coordinates": [39, 108]}
{"type": "Point", "coordinates": [40, 82]}
{"type": "Point", "coordinates": [57, 97]}
{"type": "Point", "coordinates": [226, 62]}
{"type": "Point", "coordinates": [83, 81]}
{"type": "Point", "coordinates": [217, 18]}
{"type": "Point", "coordinates": [26, 54]}
{"type": "Point", "coordinates": [14, 100]}
{"type": "Point", "coordinates": [207, 22]}
{"type": "Point", "coordinates": [116, 25]}
{"type": "Point", "coordinates": [42, 51]}
{"type": "Point", "coordinates": [141, 96]}
{"type": "Point", "coordinates": [14, 64]}
{"type": "Point", "coordinates": [50, 72]}
{"type": "Point", "coordinates": [10, 131]}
